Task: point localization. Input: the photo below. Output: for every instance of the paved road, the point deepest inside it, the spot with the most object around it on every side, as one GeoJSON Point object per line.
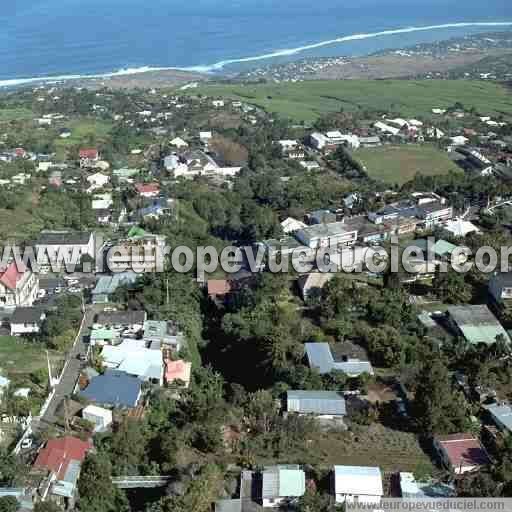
{"type": "Point", "coordinates": [71, 372]}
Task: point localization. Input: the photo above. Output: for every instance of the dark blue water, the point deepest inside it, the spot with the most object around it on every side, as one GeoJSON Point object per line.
{"type": "Point", "coordinates": [60, 37]}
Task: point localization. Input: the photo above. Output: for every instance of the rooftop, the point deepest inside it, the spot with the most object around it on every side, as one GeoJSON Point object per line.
{"type": "Point", "coordinates": [326, 230]}
{"type": "Point", "coordinates": [320, 357]}
{"type": "Point", "coordinates": [27, 315]}
{"type": "Point", "coordinates": [477, 324]}
{"type": "Point", "coordinates": [358, 480]}
{"type": "Point", "coordinates": [283, 481]}
{"type": "Point", "coordinates": [64, 238]}
{"type": "Point", "coordinates": [316, 402]}
{"type": "Point", "coordinates": [463, 450]}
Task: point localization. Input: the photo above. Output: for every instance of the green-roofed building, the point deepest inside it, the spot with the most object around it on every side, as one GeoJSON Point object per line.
{"type": "Point", "coordinates": [281, 484]}
{"type": "Point", "coordinates": [103, 336]}
{"type": "Point", "coordinates": [440, 249]}
{"type": "Point", "coordinates": [476, 324]}
{"type": "Point", "coordinates": [136, 232]}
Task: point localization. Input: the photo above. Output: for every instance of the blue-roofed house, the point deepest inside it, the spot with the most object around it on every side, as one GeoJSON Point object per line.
{"type": "Point", "coordinates": [320, 357]}
{"type": "Point", "coordinates": [501, 414]}
{"type": "Point", "coordinates": [322, 404]}
{"type": "Point", "coordinates": [107, 285]}
{"type": "Point", "coordinates": [282, 484]}
{"type": "Point", "coordinates": [114, 388]}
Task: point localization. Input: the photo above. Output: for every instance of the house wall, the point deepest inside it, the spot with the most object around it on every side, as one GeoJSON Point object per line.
{"type": "Point", "coordinates": [351, 498]}
{"type": "Point", "coordinates": [20, 329]}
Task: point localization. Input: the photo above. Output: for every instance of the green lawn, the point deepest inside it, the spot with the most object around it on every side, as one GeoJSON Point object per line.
{"type": "Point", "coordinates": [22, 358]}
{"type": "Point", "coordinates": [15, 114]}
{"type": "Point", "coordinates": [83, 132]}
{"type": "Point", "coordinates": [399, 164]}
{"type": "Point", "coordinates": [310, 99]}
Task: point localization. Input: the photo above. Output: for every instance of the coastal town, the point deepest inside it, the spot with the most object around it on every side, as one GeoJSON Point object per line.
{"type": "Point", "coordinates": [129, 387]}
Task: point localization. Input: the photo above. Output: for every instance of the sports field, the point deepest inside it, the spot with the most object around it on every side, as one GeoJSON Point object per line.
{"type": "Point", "coordinates": [305, 101]}
{"type": "Point", "coordinates": [399, 164]}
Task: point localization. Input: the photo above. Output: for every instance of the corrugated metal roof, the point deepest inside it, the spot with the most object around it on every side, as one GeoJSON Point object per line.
{"type": "Point", "coordinates": [316, 402]}
{"type": "Point", "coordinates": [358, 480]}
{"type": "Point", "coordinates": [477, 323]}
{"type": "Point", "coordinates": [502, 414]}
{"type": "Point", "coordinates": [320, 357]}
{"type": "Point", "coordinates": [283, 482]}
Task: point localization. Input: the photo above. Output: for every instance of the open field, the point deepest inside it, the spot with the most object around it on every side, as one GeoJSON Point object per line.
{"type": "Point", "coordinates": [305, 101]}
{"type": "Point", "coordinates": [399, 164]}
{"type": "Point", "coordinates": [83, 132]}
{"type": "Point", "coordinates": [22, 358]}
{"type": "Point", "coordinates": [15, 114]}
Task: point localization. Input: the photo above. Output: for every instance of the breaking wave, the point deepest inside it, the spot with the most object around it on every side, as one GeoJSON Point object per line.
{"type": "Point", "coordinates": [218, 66]}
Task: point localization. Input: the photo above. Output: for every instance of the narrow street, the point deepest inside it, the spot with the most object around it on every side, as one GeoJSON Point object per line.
{"type": "Point", "coordinates": [71, 373]}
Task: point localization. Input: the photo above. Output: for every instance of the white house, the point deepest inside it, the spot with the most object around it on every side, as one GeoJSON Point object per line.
{"type": "Point", "coordinates": [26, 320]}
{"type": "Point", "coordinates": [179, 143]}
{"type": "Point", "coordinates": [18, 287]}
{"type": "Point", "coordinates": [358, 484]}
{"type": "Point", "coordinates": [100, 417]}
{"type": "Point", "coordinates": [282, 484]}
{"type": "Point", "coordinates": [385, 128]}
{"type": "Point", "coordinates": [290, 225]}
{"type": "Point", "coordinates": [96, 181]}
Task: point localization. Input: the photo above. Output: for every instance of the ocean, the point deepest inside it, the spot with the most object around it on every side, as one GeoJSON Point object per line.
{"type": "Point", "coordinates": [60, 38]}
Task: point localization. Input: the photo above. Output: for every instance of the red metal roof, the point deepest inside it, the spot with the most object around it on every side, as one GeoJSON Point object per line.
{"type": "Point", "coordinates": [145, 188]}
{"type": "Point", "coordinates": [218, 287]}
{"type": "Point", "coordinates": [463, 450]}
{"type": "Point", "coordinates": [11, 275]}
{"type": "Point", "coordinates": [58, 453]}
{"type": "Point", "coordinates": [91, 154]}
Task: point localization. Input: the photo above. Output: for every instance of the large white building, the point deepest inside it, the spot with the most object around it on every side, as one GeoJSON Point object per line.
{"type": "Point", "coordinates": [55, 248]}
{"type": "Point", "coordinates": [332, 235]}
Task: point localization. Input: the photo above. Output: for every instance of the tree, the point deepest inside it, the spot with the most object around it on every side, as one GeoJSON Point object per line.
{"type": "Point", "coordinates": [452, 288]}
{"type": "Point", "coordinates": [438, 410]}
{"type": "Point", "coordinates": [9, 504]}
{"type": "Point", "coordinates": [97, 493]}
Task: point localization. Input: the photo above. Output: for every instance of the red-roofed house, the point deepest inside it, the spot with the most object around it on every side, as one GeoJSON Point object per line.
{"type": "Point", "coordinates": [18, 286]}
{"type": "Point", "coordinates": [461, 452]}
{"type": "Point", "coordinates": [62, 458]}
{"type": "Point", "coordinates": [218, 288]}
{"type": "Point", "coordinates": [147, 189]}
{"type": "Point", "coordinates": [88, 157]}
{"type": "Point", "coordinates": [177, 370]}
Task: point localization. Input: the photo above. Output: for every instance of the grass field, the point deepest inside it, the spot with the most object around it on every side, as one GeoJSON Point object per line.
{"type": "Point", "coordinates": [399, 164]}
{"type": "Point", "coordinates": [307, 100]}
{"type": "Point", "coordinates": [21, 358]}
{"type": "Point", "coordinates": [15, 114]}
{"type": "Point", "coordinates": [83, 132]}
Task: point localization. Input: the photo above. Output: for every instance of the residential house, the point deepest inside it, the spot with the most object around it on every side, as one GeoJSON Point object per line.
{"type": "Point", "coordinates": [501, 414]}
{"type": "Point", "coordinates": [410, 487]}
{"type": "Point", "coordinates": [18, 286]}
{"type": "Point", "coordinates": [164, 333]}
{"type": "Point", "coordinates": [311, 285]}
{"type": "Point", "coordinates": [218, 288]}
{"type": "Point", "coordinates": [132, 357]}
{"type": "Point", "coordinates": [122, 320]}
{"type": "Point", "coordinates": [331, 140]}
{"type": "Point", "coordinates": [461, 452]}
{"type": "Point", "coordinates": [321, 217]}
{"type": "Point", "coordinates": [62, 459]}
{"type": "Point", "coordinates": [476, 324]}
{"type": "Point", "coordinates": [459, 140]}
{"type": "Point", "coordinates": [141, 253]}
{"type": "Point", "coordinates": [292, 149]}
{"type": "Point", "coordinates": [500, 288]}
{"type": "Point", "coordinates": [290, 225]}
{"type": "Point", "coordinates": [179, 143]}
{"type": "Point", "coordinates": [282, 484]}
{"type": "Point", "coordinates": [370, 142]}
{"type": "Point", "coordinates": [101, 418]}
{"type": "Point", "coordinates": [26, 320]}
{"type": "Point", "coordinates": [159, 207]}
{"type": "Point", "coordinates": [321, 404]}
{"type": "Point", "coordinates": [357, 484]}
{"type": "Point", "coordinates": [177, 371]}
{"type": "Point", "coordinates": [147, 190]}
{"type": "Point", "coordinates": [114, 388]}
{"type": "Point", "coordinates": [89, 157]}
{"type": "Point", "coordinates": [56, 249]}
{"type": "Point", "coordinates": [320, 357]}
{"type": "Point", "coordinates": [386, 128]}
{"type": "Point", "coordinates": [107, 285]}
{"type": "Point", "coordinates": [96, 181]}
